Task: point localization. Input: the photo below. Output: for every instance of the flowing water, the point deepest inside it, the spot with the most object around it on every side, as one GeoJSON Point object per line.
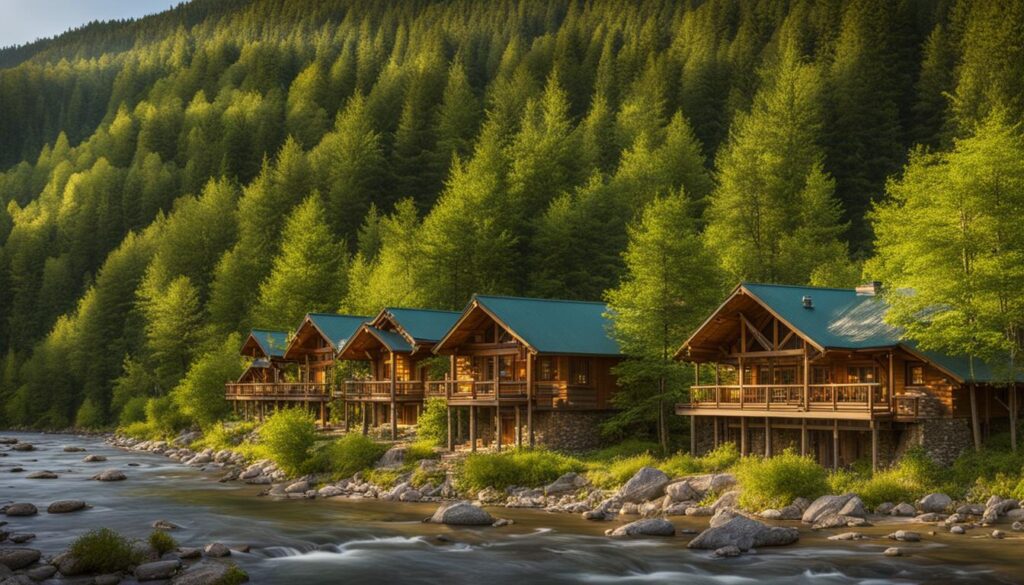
{"type": "Point", "coordinates": [366, 541]}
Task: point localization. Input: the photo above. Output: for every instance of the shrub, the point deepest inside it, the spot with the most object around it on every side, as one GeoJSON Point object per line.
{"type": "Point", "coordinates": [103, 551]}
{"type": "Point", "coordinates": [386, 478]}
{"type": "Point", "coordinates": [224, 436]}
{"type": "Point", "coordinates": [624, 449]}
{"type": "Point", "coordinates": [421, 477]}
{"type": "Point", "coordinates": [139, 430]}
{"type": "Point", "coordinates": [163, 416]}
{"type": "Point", "coordinates": [134, 410]}
{"type": "Point", "coordinates": [234, 576]}
{"type": "Point", "coordinates": [521, 467]}
{"type": "Point", "coordinates": [721, 458]}
{"type": "Point", "coordinates": [347, 455]}
{"type": "Point", "coordinates": [288, 436]}
{"type": "Point", "coordinates": [90, 415]}
{"type": "Point", "coordinates": [776, 481]}
{"type": "Point", "coordinates": [199, 396]}
{"type": "Point", "coordinates": [420, 450]}
{"type": "Point", "coordinates": [162, 542]}
{"type": "Point", "coordinates": [618, 471]}
{"type": "Point", "coordinates": [432, 425]}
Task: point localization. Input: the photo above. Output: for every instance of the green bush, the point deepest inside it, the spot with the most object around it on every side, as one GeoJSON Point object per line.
{"type": "Point", "coordinates": [618, 471]}
{"type": "Point", "coordinates": [103, 551]}
{"type": "Point", "coordinates": [347, 455]}
{"type": "Point", "coordinates": [420, 450]}
{"type": "Point", "coordinates": [521, 467]}
{"type": "Point", "coordinates": [90, 415]}
{"type": "Point", "coordinates": [386, 478]}
{"type": "Point", "coordinates": [624, 449]}
{"type": "Point", "coordinates": [913, 476]}
{"type": "Point", "coordinates": [163, 417]}
{"type": "Point", "coordinates": [421, 477]}
{"type": "Point", "coordinates": [432, 425]}
{"type": "Point", "coordinates": [162, 542]}
{"type": "Point", "coordinates": [288, 436]}
{"type": "Point", "coordinates": [139, 430]}
{"type": "Point", "coordinates": [234, 576]}
{"type": "Point", "coordinates": [133, 411]}
{"type": "Point", "coordinates": [776, 481]}
{"type": "Point", "coordinates": [224, 436]}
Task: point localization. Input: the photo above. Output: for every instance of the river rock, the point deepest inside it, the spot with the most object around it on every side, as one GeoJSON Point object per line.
{"type": "Point", "coordinates": [854, 507]}
{"type": "Point", "coordinates": [165, 525]}
{"type": "Point", "coordinates": [8, 441]}
{"type": "Point", "coordinates": [208, 573]}
{"type": "Point", "coordinates": [16, 469]}
{"type": "Point", "coordinates": [957, 530]}
{"type": "Point", "coordinates": [1018, 527]}
{"type": "Point", "coordinates": [885, 508]}
{"type": "Point", "coordinates": [68, 565]}
{"type": "Point", "coordinates": [905, 536]}
{"type": "Point", "coordinates": [934, 503]}
{"type": "Point", "coordinates": [568, 483]}
{"type": "Point", "coordinates": [744, 533]}
{"type": "Point", "coordinates": [893, 551]}
{"type": "Point", "coordinates": [65, 506]}
{"type": "Point", "coordinates": [42, 572]}
{"type": "Point", "coordinates": [410, 495]}
{"type": "Point", "coordinates": [682, 491]}
{"type": "Point", "coordinates": [157, 570]}
{"type": "Point", "coordinates": [824, 506]}
{"type": "Point", "coordinates": [838, 521]}
{"type": "Point", "coordinates": [108, 579]}
{"type": "Point", "coordinates": [23, 447]}
{"type": "Point", "coordinates": [929, 518]}
{"type": "Point", "coordinates": [94, 458]}
{"type": "Point", "coordinates": [646, 484]}
{"type": "Point", "coordinates": [998, 534]}
{"type": "Point", "coordinates": [849, 536]}
{"type": "Point", "coordinates": [728, 551]}
{"type": "Point", "coordinates": [110, 475]}
{"type": "Point", "coordinates": [188, 553]}
{"type": "Point", "coordinates": [217, 550]}
{"type": "Point", "coordinates": [392, 458]}
{"type": "Point", "coordinates": [462, 514]}
{"type": "Point", "coordinates": [1015, 515]}
{"type": "Point", "coordinates": [298, 487]}
{"type": "Point", "coordinates": [903, 509]}
{"type": "Point", "coordinates": [41, 475]}
{"type": "Point", "coordinates": [22, 509]}
{"type": "Point", "coordinates": [646, 527]}
{"type": "Point", "coordinates": [971, 510]}
{"type": "Point", "coordinates": [730, 499]}
{"type": "Point", "coordinates": [72, 449]}
{"type": "Point", "coordinates": [21, 538]}
{"type": "Point", "coordinates": [330, 491]}
{"type": "Point", "coordinates": [711, 482]}
{"type": "Point", "coordinates": [18, 558]}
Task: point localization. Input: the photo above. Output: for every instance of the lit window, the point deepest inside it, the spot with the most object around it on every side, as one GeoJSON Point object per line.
{"type": "Point", "coordinates": [579, 371]}
{"type": "Point", "coordinates": [915, 375]}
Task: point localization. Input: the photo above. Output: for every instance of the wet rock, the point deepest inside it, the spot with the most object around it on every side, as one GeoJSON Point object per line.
{"type": "Point", "coordinates": [711, 482]}
{"type": "Point", "coordinates": [231, 475]}
{"type": "Point", "coordinates": [838, 521]}
{"type": "Point", "coordinates": [728, 551]}
{"type": "Point", "coordinates": [503, 522]}
{"type": "Point", "coordinates": [18, 558]}
{"type": "Point", "coordinates": [298, 487]}
{"type": "Point", "coordinates": [744, 533]}
{"type": "Point", "coordinates": [208, 573]}
{"type": "Point", "coordinates": [16, 469]}
{"type": "Point", "coordinates": [65, 506]}
{"type": "Point", "coordinates": [681, 491]}
{"type": "Point", "coordinates": [8, 441]}
{"type": "Point", "coordinates": [700, 511]}
{"type": "Point", "coordinates": [1018, 527]}
{"type": "Point", "coordinates": [934, 503]}
{"type": "Point", "coordinates": [410, 495]}
{"type": "Point", "coordinates": [110, 475]}
{"type": "Point", "coordinates": [646, 527]}
{"type": "Point", "coordinates": [971, 510]}
{"type": "Point", "coordinates": [165, 525]}
{"type": "Point", "coordinates": [854, 507]}
{"type": "Point", "coordinates": [157, 570]}
{"type": "Point", "coordinates": [849, 536]}
{"type": "Point", "coordinates": [930, 517]}
{"type": "Point", "coordinates": [489, 495]}
{"type": "Point", "coordinates": [42, 572]}
{"type": "Point", "coordinates": [462, 514]}
{"type": "Point", "coordinates": [94, 458]}
{"type": "Point", "coordinates": [790, 512]}
{"type": "Point", "coordinates": [903, 509]}
{"type": "Point", "coordinates": [568, 483]}
{"type": "Point", "coordinates": [824, 506]}
{"type": "Point", "coordinates": [958, 530]}
{"type": "Point", "coordinates": [21, 538]}
{"type": "Point", "coordinates": [188, 553]}
{"type": "Point", "coordinates": [330, 491]}
{"type": "Point", "coordinates": [646, 484]}
{"type": "Point", "coordinates": [217, 550]}
{"type": "Point", "coordinates": [885, 508]}
{"type": "Point", "coordinates": [68, 565]}
{"type": "Point", "coordinates": [73, 449]}
{"type": "Point", "coordinates": [905, 536]}
{"type": "Point", "coordinates": [109, 579]}
{"type": "Point", "coordinates": [21, 509]}
{"type": "Point", "coordinates": [23, 447]}
{"type": "Point", "coordinates": [41, 475]}
{"type": "Point", "coordinates": [893, 551]}
{"type": "Point", "coordinates": [998, 534]}
{"type": "Point", "coordinates": [1015, 515]}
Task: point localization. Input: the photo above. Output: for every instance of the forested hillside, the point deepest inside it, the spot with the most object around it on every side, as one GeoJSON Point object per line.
{"type": "Point", "coordinates": [172, 181]}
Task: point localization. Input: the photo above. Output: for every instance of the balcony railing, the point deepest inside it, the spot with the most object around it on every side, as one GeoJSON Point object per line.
{"type": "Point", "coordinates": [381, 389]}
{"type": "Point", "coordinates": [867, 397]}
{"type": "Point", "coordinates": [554, 394]}
{"type": "Point", "coordinates": [277, 390]}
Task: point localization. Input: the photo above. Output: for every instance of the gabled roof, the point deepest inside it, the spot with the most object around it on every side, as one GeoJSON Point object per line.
{"type": "Point", "coordinates": [271, 343]}
{"type": "Point", "coordinates": [547, 325]}
{"type": "Point", "coordinates": [334, 328]}
{"type": "Point", "coordinates": [422, 324]}
{"type": "Point", "coordinates": [840, 319]}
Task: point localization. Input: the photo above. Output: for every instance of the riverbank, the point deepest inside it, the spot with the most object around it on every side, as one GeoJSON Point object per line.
{"type": "Point", "coordinates": [314, 540]}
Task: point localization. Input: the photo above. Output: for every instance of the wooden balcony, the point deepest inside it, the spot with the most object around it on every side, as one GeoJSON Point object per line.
{"type": "Point", "coordinates": [546, 395]}
{"type": "Point", "coordinates": [380, 390]}
{"type": "Point", "coordinates": [292, 391]}
{"type": "Point", "coordinates": [850, 401]}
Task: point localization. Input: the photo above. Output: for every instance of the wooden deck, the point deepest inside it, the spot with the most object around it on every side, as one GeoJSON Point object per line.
{"type": "Point", "coordinates": [546, 395]}
{"type": "Point", "coordinates": [289, 391]}
{"type": "Point", "coordinates": [380, 391]}
{"type": "Point", "coordinates": [864, 401]}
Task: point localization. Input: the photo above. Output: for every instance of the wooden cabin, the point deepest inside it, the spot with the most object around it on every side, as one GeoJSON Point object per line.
{"type": "Point", "coordinates": [534, 365]}
{"type": "Point", "coordinates": [396, 345]}
{"type": "Point", "coordinates": [818, 370]}
{"type": "Point", "coordinates": [267, 367]}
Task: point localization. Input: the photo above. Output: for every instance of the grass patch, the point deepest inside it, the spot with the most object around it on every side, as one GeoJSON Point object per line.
{"type": "Point", "coordinates": [521, 467]}
{"type": "Point", "coordinates": [103, 551]}
{"type": "Point", "coordinates": [234, 576]}
{"type": "Point", "coordinates": [627, 448]}
{"type": "Point", "coordinates": [421, 477]}
{"type": "Point", "coordinates": [224, 436]}
{"type": "Point", "coordinates": [386, 478]}
{"type": "Point", "coordinates": [420, 450]}
{"type": "Point", "coordinates": [913, 476]}
{"type": "Point", "coordinates": [162, 542]}
{"type": "Point", "coordinates": [776, 481]}
{"type": "Point", "coordinates": [618, 471]}
{"type": "Point", "coordinates": [347, 455]}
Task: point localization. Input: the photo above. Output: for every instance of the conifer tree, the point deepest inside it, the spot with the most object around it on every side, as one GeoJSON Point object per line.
{"type": "Point", "coordinates": [173, 325]}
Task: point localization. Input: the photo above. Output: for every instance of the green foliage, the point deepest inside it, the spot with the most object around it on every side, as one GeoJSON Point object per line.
{"type": "Point", "coordinates": [162, 542]}
{"type": "Point", "coordinates": [289, 436]}
{"type": "Point", "coordinates": [520, 467]}
{"type": "Point", "coordinates": [346, 456]}
{"type": "Point", "coordinates": [912, 477]}
{"type": "Point", "coordinates": [720, 459]}
{"type": "Point", "coordinates": [103, 551]}
{"type": "Point", "coordinates": [432, 424]}
{"type": "Point", "coordinates": [420, 450]}
{"type": "Point", "coordinates": [427, 476]}
{"type": "Point", "coordinates": [200, 394]}
{"type": "Point", "coordinates": [224, 436]}
{"type": "Point", "coordinates": [616, 472]}
{"type": "Point", "coordinates": [775, 482]}
{"type": "Point", "coordinates": [133, 411]}
{"type": "Point", "coordinates": [89, 415]}
{"type": "Point", "coordinates": [233, 576]}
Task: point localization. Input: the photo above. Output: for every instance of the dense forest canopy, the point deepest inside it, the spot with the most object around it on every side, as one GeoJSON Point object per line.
{"type": "Point", "coordinates": [171, 181]}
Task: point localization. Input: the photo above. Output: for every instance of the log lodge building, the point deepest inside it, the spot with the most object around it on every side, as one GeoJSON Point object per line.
{"type": "Point", "coordinates": [812, 369]}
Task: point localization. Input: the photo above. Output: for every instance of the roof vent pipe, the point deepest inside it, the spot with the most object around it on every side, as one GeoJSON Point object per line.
{"type": "Point", "coordinates": [808, 304]}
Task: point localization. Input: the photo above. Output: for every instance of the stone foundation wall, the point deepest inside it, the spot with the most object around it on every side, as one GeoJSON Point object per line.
{"type": "Point", "coordinates": [943, 439]}
{"type": "Point", "coordinates": [705, 434]}
{"type": "Point", "coordinates": [568, 430]}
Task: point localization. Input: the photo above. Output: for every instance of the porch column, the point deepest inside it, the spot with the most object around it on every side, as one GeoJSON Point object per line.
{"type": "Point", "coordinates": [1013, 417]}
{"type": "Point", "coordinates": [743, 436]}
{"type": "Point", "coordinates": [975, 425]}
{"type": "Point", "coordinates": [519, 429]}
{"type": "Point", "coordinates": [529, 397]}
{"type": "Point", "coordinates": [874, 446]}
{"type": "Point", "coordinates": [472, 428]}
{"type": "Point", "coordinates": [451, 438]}
{"type": "Point", "coordinates": [693, 434]}
{"type": "Point", "coordinates": [497, 427]}
{"type": "Point", "coordinates": [803, 437]}
{"type": "Point", "coordinates": [394, 378]}
{"type": "Point", "coordinates": [835, 444]}
{"type": "Point", "coordinates": [767, 436]}
{"type": "Point", "coordinates": [366, 418]}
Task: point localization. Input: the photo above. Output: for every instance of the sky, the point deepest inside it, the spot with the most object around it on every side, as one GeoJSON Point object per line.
{"type": "Point", "coordinates": [23, 21]}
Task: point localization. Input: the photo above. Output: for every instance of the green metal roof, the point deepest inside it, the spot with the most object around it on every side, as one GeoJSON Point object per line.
{"type": "Point", "coordinates": [842, 319]}
{"type": "Point", "coordinates": [337, 328]}
{"type": "Point", "coordinates": [273, 343]}
{"type": "Point", "coordinates": [392, 340]}
{"type": "Point", "coordinates": [425, 324]}
{"type": "Point", "coordinates": [556, 326]}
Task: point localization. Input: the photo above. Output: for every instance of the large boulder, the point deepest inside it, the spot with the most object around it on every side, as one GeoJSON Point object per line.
{"type": "Point", "coordinates": [646, 484]}
{"type": "Point", "coordinates": [157, 570]}
{"type": "Point", "coordinates": [646, 527]}
{"type": "Point", "coordinates": [18, 558]}
{"type": "Point", "coordinates": [110, 475]}
{"type": "Point", "coordinates": [903, 509]}
{"type": "Point", "coordinates": [23, 447]}
{"type": "Point", "coordinates": [217, 550]}
{"type": "Point", "coordinates": [209, 573]}
{"type": "Point", "coordinates": [934, 503]}
{"type": "Point", "coordinates": [568, 483]}
{"type": "Point", "coordinates": [41, 475]}
{"type": "Point", "coordinates": [21, 509]}
{"type": "Point", "coordinates": [462, 514]}
{"type": "Point", "coordinates": [392, 458]}
{"type": "Point", "coordinates": [93, 458]}
{"type": "Point", "coordinates": [854, 507]}
{"type": "Point", "coordinates": [711, 482]}
{"type": "Point", "coordinates": [824, 506]}
{"type": "Point", "coordinates": [65, 506]}
{"type": "Point", "coordinates": [682, 491]}
{"type": "Point", "coordinates": [744, 533]}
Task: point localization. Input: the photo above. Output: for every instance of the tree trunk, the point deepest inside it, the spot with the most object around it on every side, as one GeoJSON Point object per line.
{"type": "Point", "coordinates": [1013, 417]}
{"type": "Point", "coordinates": [975, 426]}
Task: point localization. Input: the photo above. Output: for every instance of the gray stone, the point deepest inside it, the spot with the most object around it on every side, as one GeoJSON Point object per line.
{"type": "Point", "coordinates": [958, 530]}
{"type": "Point", "coordinates": [94, 458]}
{"type": "Point", "coordinates": [188, 553]}
{"type": "Point", "coordinates": [854, 507]}
{"type": "Point", "coordinates": [646, 527]}
{"type": "Point", "coordinates": [849, 536]}
{"type": "Point", "coordinates": [65, 506]}
{"type": "Point", "coordinates": [22, 538]}
{"type": "Point", "coordinates": [837, 521]}
{"type": "Point", "coordinates": [8, 441]}
{"type": "Point", "coordinates": [744, 533]}
{"type": "Point", "coordinates": [998, 534]}
{"type": "Point", "coordinates": [217, 550]}
{"type": "Point", "coordinates": [298, 487]}
{"type": "Point", "coordinates": [206, 573]}
{"type": "Point", "coordinates": [893, 551]}
{"type": "Point", "coordinates": [411, 495]}
{"type": "Point", "coordinates": [903, 509]}
{"type": "Point", "coordinates": [462, 514]}
{"type": "Point", "coordinates": [21, 509]}
{"type": "Point", "coordinates": [646, 484]}
{"type": "Point", "coordinates": [503, 522]}
{"type": "Point", "coordinates": [905, 536]}
{"type": "Point", "coordinates": [330, 491]}
{"type": "Point", "coordinates": [681, 491]}
{"type": "Point", "coordinates": [1015, 515]}
{"type": "Point", "coordinates": [41, 475]}
{"type": "Point", "coordinates": [72, 449]}
{"type": "Point", "coordinates": [728, 551]}
{"type": "Point", "coordinates": [934, 503]}
{"type": "Point", "coordinates": [729, 499]}
{"type": "Point", "coordinates": [885, 508]}
{"type": "Point", "coordinates": [971, 510]}
{"type": "Point", "coordinates": [68, 565]}
{"type": "Point", "coordinates": [392, 458]}
{"type": "Point", "coordinates": [568, 483]}
{"type": "Point", "coordinates": [18, 558]}
{"type": "Point", "coordinates": [824, 506]}
{"type": "Point", "coordinates": [23, 447]}
{"type": "Point", "coordinates": [165, 525]}
{"type": "Point", "coordinates": [111, 579]}
{"type": "Point", "coordinates": [930, 517]}
{"type": "Point", "coordinates": [157, 570]}
{"type": "Point", "coordinates": [110, 475]}
{"type": "Point", "coordinates": [42, 572]}
{"type": "Point", "coordinates": [1018, 527]}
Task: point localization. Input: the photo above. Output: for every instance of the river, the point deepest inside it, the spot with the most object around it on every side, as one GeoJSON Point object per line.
{"type": "Point", "coordinates": [366, 541]}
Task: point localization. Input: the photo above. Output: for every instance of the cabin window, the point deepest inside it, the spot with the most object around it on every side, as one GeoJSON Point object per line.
{"type": "Point", "coordinates": [504, 336]}
{"type": "Point", "coordinates": [547, 369]}
{"type": "Point", "coordinates": [483, 368]}
{"type": "Point", "coordinates": [821, 375]}
{"type": "Point", "coordinates": [579, 371]}
{"type": "Point", "coordinates": [489, 334]}
{"type": "Point", "coordinates": [748, 375]}
{"type": "Point", "coordinates": [506, 367]}
{"type": "Point", "coordinates": [861, 375]}
{"type": "Point", "coordinates": [785, 375]}
{"type": "Point", "coordinates": [915, 375]}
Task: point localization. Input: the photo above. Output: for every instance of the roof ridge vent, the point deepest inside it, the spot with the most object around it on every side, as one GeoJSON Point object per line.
{"type": "Point", "coordinates": [869, 289]}
{"type": "Point", "coordinates": [807, 302]}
